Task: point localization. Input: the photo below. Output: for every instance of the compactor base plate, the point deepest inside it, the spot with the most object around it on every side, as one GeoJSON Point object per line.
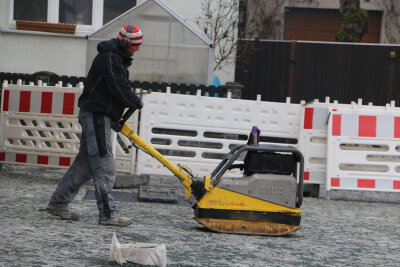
{"type": "Point", "coordinates": [247, 227]}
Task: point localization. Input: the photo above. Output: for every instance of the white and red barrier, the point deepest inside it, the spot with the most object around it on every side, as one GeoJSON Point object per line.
{"type": "Point", "coordinates": [198, 131]}
{"type": "Point", "coordinates": [45, 101]}
{"type": "Point", "coordinates": [312, 141]}
{"type": "Point", "coordinates": [313, 135]}
{"type": "Point", "coordinates": [313, 138]}
{"type": "Point", "coordinates": [364, 150]}
{"type": "Point", "coordinates": [39, 126]}
{"type": "Point", "coordinates": [34, 159]}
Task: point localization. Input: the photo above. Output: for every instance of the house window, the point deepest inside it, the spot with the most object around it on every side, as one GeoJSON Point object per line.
{"type": "Point", "coordinates": [89, 15]}
{"type": "Point", "coordinates": [114, 8]}
{"type": "Point", "coordinates": [76, 11]}
{"type": "Point", "coordinates": [34, 10]}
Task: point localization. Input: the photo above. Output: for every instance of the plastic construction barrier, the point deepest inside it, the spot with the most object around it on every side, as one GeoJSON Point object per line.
{"type": "Point", "coordinates": [198, 131]}
{"type": "Point", "coordinates": [312, 141]}
{"type": "Point", "coordinates": [39, 126]}
{"type": "Point", "coordinates": [313, 135]}
{"type": "Point", "coordinates": [364, 150]}
{"type": "Point", "coordinates": [313, 138]}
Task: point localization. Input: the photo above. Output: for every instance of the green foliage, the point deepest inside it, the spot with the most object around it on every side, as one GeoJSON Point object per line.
{"type": "Point", "coordinates": [355, 24]}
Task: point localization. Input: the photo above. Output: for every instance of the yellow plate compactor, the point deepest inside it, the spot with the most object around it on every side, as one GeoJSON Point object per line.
{"type": "Point", "coordinates": [266, 200]}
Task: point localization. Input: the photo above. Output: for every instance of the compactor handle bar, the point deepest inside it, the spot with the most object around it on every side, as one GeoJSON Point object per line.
{"type": "Point", "coordinates": [184, 176]}
{"type": "Point", "coordinates": [117, 125]}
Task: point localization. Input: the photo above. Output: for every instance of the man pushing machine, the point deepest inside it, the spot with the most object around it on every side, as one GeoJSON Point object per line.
{"type": "Point", "coordinates": [107, 92]}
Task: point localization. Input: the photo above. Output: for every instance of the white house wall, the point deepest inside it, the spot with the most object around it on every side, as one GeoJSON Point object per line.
{"type": "Point", "coordinates": [4, 6]}
{"type": "Point", "coordinates": [26, 53]}
{"type": "Point", "coordinates": [30, 53]}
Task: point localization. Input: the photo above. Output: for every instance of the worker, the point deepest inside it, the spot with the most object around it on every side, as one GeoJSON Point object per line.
{"type": "Point", "coordinates": [107, 91]}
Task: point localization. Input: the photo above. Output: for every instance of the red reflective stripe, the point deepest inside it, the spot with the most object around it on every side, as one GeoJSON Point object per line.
{"type": "Point", "coordinates": [24, 101]}
{"type": "Point", "coordinates": [337, 125]}
{"type": "Point", "coordinates": [21, 158]}
{"type": "Point", "coordinates": [64, 161]}
{"type": "Point", "coordinates": [306, 176]}
{"type": "Point", "coordinates": [396, 184]}
{"type": "Point", "coordinates": [6, 95]}
{"type": "Point", "coordinates": [2, 156]}
{"type": "Point", "coordinates": [365, 183]}
{"type": "Point", "coordinates": [69, 102]}
{"type": "Point", "coordinates": [43, 160]}
{"type": "Point", "coordinates": [335, 182]}
{"type": "Point", "coordinates": [308, 118]}
{"type": "Point", "coordinates": [396, 127]}
{"type": "Point", "coordinates": [47, 102]}
{"type": "Point", "coordinates": [367, 126]}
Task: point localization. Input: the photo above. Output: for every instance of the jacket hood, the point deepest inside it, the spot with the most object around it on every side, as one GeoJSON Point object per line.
{"type": "Point", "coordinates": [112, 46]}
{"type": "Point", "coordinates": [107, 46]}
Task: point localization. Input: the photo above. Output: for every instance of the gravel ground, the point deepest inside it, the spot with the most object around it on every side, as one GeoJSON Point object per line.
{"type": "Point", "coordinates": [334, 232]}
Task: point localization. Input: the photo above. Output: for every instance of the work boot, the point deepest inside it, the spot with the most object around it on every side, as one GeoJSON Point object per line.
{"type": "Point", "coordinates": [63, 214]}
{"type": "Point", "coordinates": [118, 221]}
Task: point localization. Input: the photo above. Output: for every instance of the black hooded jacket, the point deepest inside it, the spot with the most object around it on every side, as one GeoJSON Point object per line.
{"type": "Point", "coordinates": [107, 87]}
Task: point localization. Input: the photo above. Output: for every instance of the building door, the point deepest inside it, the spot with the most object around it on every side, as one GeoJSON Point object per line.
{"type": "Point", "coordinates": [311, 24]}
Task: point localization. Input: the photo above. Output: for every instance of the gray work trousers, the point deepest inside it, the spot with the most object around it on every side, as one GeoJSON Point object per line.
{"type": "Point", "coordinates": [95, 160]}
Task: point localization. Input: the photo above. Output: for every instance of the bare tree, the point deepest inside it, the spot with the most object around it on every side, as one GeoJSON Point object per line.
{"type": "Point", "coordinates": [220, 23]}
{"type": "Point", "coordinates": [391, 21]}
{"type": "Point", "coordinates": [261, 19]}
{"type": "Point", "coordinates": [264, 19]}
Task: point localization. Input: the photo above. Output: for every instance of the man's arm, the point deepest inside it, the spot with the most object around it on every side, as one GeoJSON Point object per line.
{"type": "Point", "coordinates": [118, 85]}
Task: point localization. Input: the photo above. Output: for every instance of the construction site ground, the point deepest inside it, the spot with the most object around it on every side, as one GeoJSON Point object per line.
{"type": "Point", "coordinates": [343, 231]}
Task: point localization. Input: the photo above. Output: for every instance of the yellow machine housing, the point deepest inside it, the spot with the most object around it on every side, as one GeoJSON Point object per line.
{"type": "Point", "coordinates": [266, 200]}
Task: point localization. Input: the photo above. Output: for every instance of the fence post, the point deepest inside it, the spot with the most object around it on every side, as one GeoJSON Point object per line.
{"type": "Point", "coordinates": [292, 68]}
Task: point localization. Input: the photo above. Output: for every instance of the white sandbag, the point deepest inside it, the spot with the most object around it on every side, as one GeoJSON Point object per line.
{"type": "Point", "coordinates": [141, 253]}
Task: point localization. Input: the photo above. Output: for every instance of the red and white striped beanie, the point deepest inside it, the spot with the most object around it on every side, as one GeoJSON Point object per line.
{"type": "Point", "coordinates": [131, 33]}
